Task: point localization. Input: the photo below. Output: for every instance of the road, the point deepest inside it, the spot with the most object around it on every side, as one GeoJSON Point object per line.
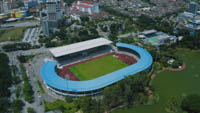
{"type": "Point", "coordinates": [36, 64]}
{"type": "Point", "coordinates": [39, 108]}
{"type": "Point", "coordinates": [24, 24]}
{"type": "Point", "coordinates": [31, 72]}
{"type": "Point", "coordinates": [30, 52]}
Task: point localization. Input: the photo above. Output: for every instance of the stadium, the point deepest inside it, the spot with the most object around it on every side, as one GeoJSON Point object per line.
{"type": "Point", "coordinates": [86, 68]}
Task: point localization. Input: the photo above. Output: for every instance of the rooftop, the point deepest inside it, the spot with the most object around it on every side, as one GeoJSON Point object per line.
{"type": "Point", "coordinates": [77, 47]}
{"type": "Point", "coordinates": [149, 32]}
{"type": "Point", "coordinates": [48, 1]}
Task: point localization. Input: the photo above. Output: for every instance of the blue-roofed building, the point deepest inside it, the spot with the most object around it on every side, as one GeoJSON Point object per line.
{"type": "Point", "coordinates": [95, 86]}
{"type": "Point", "coordinates": [30, 3]}
{"type": "Point", "coordinates": [156, 38]}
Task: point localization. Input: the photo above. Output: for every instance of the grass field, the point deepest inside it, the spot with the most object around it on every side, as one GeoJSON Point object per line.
{"type": "Point", "coordinates": [12, 34]}
{"type": "Point", "coordinates": [176, 84]}
{"type": "Point", "coordinates": [96, 68]}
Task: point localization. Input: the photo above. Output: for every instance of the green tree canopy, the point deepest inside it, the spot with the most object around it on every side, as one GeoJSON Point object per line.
{"type": "Point", "coordinates": [191, 104]}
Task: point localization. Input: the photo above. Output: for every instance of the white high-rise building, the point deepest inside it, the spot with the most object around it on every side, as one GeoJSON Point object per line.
{"type": "Point", "coordinates": [54, 11]}
{"type": "Point", "coordinates": [54, 15]}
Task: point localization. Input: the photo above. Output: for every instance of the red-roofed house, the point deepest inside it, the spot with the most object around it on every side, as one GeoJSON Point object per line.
{"type": "Point", "coordinates": [90, 7]}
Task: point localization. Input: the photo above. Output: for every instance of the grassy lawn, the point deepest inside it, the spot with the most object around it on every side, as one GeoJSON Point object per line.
{"type": "Point", "coordinates": [176, 84]}
{"type": "Point", "coordinates": [96, 68]}
{"type": "Point", "coordinates": [12, 34]}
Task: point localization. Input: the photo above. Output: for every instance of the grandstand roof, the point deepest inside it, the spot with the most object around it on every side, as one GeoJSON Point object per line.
{"type": "Point", "coordinates": [77, 47]}
{"type": "Point", "coordinates": [50, 77]}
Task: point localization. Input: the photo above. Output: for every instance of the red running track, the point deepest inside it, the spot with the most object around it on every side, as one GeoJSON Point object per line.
{"type": "Point", "coordinates": [65, 72]}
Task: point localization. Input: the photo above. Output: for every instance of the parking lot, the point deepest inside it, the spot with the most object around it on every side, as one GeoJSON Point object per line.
{"type": "Point", "coordinates": [31, 36]}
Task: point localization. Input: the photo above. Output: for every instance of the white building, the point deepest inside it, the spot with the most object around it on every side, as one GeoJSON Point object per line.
{"type": "Point", "coordinates": [54, 11]}
{"type": "Point", "coordinates": [90, 7]}
{"type": "Point", "coordinates": [6, 7]}
{"type": "Point", "coordinates": [54, 15]}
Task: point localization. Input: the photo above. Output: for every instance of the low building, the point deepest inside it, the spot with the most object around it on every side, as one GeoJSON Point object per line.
{"type": "Point", "coordinates": [191, 21]}
{"type": "Point", "coordinates": [30, 3]}
{"type": "Point", "coordinates": [194, 23]}
{"type": "Point", "coordinates": [3, 18]}
{"type": "Point", "coordinates": [91, 7]}
{"type": "Point", "coordinates": [17, 13]}
{"type": "Point", "coordinates": [156, 38]}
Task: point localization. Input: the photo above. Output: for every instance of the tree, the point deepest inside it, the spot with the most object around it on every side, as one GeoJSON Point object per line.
{"type": "Point", "coordinates": [128, 91]}
{"type": "Point", "coordinates": [5, 83]}
{"type": "Point", "coordinates": [86, 104]}
{"type": "Point", "coordinates": [128, 40]}
{"type": "Point", "coordinates": [191, 104]}
{"type": "Point", "coordinates": [68, 99]}
{"type": "Point", "coordinates": [172, 105]}
{"type": "Point", "coordinates": [17, 106]}
{"type": "Point", "coordinates": [4, 105]}
{"type": "Point", "coordinates": [16, 80]}
{"type": "Point", "coordinates": [84, 19]}
{"type": "Point", "coordinates": [16, 46]}
{"type": "Point", "coordinates": [30, 110]}
{"type": "Point", "coordinates": [113, 37]}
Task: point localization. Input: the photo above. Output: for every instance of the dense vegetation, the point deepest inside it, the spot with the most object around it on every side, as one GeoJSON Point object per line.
{"type": "Point", "coordinates": [24, 59]}
{"type": "Point", "coordinates": [190, 39]}
{"type": "Point", "coordinates": [191, 103]}
{"type": "Point", "coordinates": [69, 35]}
{"type": "Point", "coordinates": [171, 88]}
{"type": "Point", "coordinates": [27, 89]}
{"type": "Point", "coordinates": [16, 46]}
{"type": "Point", "coordinates": [69, 2]}
{"type": "Point", "coordinates": [17, 105]}
{"type": "Point", "coordinates": [128, 92]}
{"type": "Point", "coordinates": [30, 110]}
{"type": "Point", "coordinates": [114, 12]}
{"type": "Point", "coordinates": [5, 83]}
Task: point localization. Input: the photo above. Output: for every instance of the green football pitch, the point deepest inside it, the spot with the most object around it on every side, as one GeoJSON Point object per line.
{"type": "Point", "coordinates": [96, 68]}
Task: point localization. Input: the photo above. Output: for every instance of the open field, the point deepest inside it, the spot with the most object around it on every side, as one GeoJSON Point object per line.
{"type": "Point", "coordinates": [96, 68]}
{"type": "Point", "coordinates": [173, 84]}
{"type": "Point", "coordinates": [12, 34]}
